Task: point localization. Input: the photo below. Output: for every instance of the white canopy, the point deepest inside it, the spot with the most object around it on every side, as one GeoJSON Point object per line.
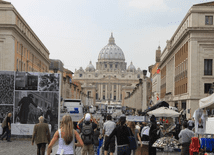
{"type": "Point", "coordinates": [207, 102]}
{"type": "Point", "coordinates": [164, 112]}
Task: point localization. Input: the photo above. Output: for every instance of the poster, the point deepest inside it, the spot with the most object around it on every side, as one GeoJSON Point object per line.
{"type": "Point", "coordinates": [29, 95]}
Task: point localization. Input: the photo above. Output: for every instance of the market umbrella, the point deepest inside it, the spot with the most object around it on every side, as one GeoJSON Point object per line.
{"type": "Point", "coordinates": [164, 112]}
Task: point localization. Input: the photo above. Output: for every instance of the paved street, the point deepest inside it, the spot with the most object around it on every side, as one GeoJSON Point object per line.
{"type": "Point", "coordinates": [24, 147]}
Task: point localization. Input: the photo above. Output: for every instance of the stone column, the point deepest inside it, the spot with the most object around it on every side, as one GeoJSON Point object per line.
{"type": "Point", "coordinates": [112, 92]}
{"type": "Point", "coordinates": [101, 97]}
{"type": "Point", "coordinates": [106, 91]}
{"type": "Point", "coordinates": [144, 104]}
{"type": "Point", "coordinates": [117, 92]}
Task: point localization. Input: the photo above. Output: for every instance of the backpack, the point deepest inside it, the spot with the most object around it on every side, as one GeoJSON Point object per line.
{"type": "Point", "coordinates": [96, 138]}
{"type": "Point", "coordinates": [4, 123]}
{"type": "Point", "coordinates": [87, 134]}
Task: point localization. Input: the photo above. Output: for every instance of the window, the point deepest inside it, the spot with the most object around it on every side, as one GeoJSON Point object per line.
{"type": "Point", "coordinates": [80, 75]}
{"type": "Point", "coordinates": [114, 97]}
{"type": "Point", "coordinates": [110, 65]}
{"type": "Point", "coordinates": [105, 65]}
{"type": "Point", "coordinates": [17, 65]}
{"type": "Point", "coordinates": [208, 20]}
{"type": "Point", "coordinates": [138, 76]}
{"type": "Point", "coordinates": [115, 86]}
{"type": "Point", "coordinates": [207, 87]}
{"type": "Point", "coordinates": [116, 66]}
{"type": "Point", "coordinates": [104, 86]}
{"type": "Point", "coordinates": [96, 96]}
{"type": "Point", "coordinates": [208, 63]}
{"type": "Point", "coordinates": [103, 97]}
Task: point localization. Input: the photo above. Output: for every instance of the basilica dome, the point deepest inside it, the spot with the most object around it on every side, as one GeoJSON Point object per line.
{"type": "Point", "coordinates": [131, 67]}
{"type": "Point", "coordinates": [111, 51]}
{"type": "Point", "coordinates": [90, 67]}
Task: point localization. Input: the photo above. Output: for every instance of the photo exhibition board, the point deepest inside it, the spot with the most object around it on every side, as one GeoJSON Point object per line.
{"type": "Point", "coordinates": [29, 95]}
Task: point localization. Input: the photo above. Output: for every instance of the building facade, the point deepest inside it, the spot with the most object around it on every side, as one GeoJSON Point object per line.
{"type": "Point", "coordinates": [155, 75]}
{"type": "Point", "coordinates": [105, 83]}
{"type": "Point", "coordinates": [20, 48]}
{"type": "Point", "coordinates": [187, 60]}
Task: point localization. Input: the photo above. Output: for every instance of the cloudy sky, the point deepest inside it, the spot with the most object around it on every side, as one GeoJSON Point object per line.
{"type": "Point", "coordinates": [75, 31]}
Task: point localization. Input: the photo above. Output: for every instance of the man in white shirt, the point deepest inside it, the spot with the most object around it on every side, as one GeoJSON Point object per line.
{"type": "Point", "coordinates": [145, 133]}
{"type": "Point", "coordinates": [185, 135]}
{"type": "Point", "coordinates": [108, 127]}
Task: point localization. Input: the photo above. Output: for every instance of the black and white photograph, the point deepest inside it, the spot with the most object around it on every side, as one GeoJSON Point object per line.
{"type": "Point", "coordinates": [6, 87]}
{"type": "Point", "coordinates": [49, 82]}
{"type": "Point", "coordinates": [4, 110]}
{"type": "Point", "coordinates": [29, 106]}
{"type": "Point", "coordinates": [26, 81]}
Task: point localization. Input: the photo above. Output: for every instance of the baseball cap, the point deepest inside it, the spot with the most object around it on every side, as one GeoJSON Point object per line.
{"type": "Point", "coordinates": [87, 117]}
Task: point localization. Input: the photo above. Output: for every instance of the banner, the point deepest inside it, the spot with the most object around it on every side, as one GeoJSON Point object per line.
{"type": "Point", "coordinates": [136, 118]}
{"type": "Point", "coordinates": [29, 95]}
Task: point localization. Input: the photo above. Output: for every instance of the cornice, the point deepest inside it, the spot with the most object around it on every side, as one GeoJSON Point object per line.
{"type": "Point", "coordinates": [19, 32]}
{"type": "Point", "coordinates": [186, 32]}
{"type": "Point", "coordinates": [12, 8]}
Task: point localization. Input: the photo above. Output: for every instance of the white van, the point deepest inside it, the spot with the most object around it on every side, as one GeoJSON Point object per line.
{"type": "Point", "coordinates": [74, 107]}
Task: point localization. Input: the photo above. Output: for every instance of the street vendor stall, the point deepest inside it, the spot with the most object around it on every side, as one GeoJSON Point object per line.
{"type": "Point", "coordinates": [164, 112]}
{"type": "Point", "coordinates": [204, 124]}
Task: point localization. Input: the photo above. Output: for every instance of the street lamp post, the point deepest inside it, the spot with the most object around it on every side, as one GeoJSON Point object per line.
{"type": "Point", "coordinates": [144, 102]}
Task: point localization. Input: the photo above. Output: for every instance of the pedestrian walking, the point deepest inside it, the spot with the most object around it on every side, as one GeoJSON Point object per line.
{"type": "Point", "coordinates": [152, 135]}
{"type": "Point", "coordinates": [87, 129]}
{"type": "Point", "coordinates": [96, 137]}
{"type": "Point", "coordinates": [121, 132]}
{"type": "Point", "coordinates": [41, 134]}
{"type": "Point", "coordinates": [185, 135]}
{"type": "Point", "coordinates": [7, 128]}
{"type": "Point", "coordinates": [135, 132]}
{"type": "Point", "coordinates": [66, 136]}
{"type": "Point", "coordinates": [191, 123]}
{"type": "Point", "coordinates": [108, 127]}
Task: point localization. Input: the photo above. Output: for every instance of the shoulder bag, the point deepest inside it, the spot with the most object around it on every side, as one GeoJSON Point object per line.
{"type": "Point", "coordinates": [132, 141]}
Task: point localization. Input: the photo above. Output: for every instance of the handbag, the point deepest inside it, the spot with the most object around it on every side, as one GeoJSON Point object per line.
{"type": "Point", "coordinates": [132, 141]}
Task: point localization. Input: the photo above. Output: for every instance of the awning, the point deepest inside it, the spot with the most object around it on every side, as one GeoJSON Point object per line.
{"type": "Point", "coordinates": [164, 112]}
{"type": "Point", "coordinates": [207, 102]}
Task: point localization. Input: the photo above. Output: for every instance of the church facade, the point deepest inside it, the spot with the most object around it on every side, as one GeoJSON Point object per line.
{"type": "Point", "coordinates": [111, 81]}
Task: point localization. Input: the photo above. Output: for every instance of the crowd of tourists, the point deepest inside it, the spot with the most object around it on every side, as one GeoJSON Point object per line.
{"type": "Point", "coordinates": [93, 134]}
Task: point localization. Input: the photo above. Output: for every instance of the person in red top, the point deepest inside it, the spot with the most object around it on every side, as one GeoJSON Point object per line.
{"type": "Point", "coordinates": [194, 146]}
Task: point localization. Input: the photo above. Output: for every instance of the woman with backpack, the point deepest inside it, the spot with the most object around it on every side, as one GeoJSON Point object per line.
{"type": "Point", "coordinates": [122, 132]}
{"type": "Point", "coordinates": [135, 132]}
{"type": "Point", "coordinates": [66, 136]}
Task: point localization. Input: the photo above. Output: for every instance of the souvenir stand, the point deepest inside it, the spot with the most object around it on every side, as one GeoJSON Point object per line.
{"type": "Point", "coordinates": [204, 126]}
{"type": "Point", "coordinates": [166, 143]}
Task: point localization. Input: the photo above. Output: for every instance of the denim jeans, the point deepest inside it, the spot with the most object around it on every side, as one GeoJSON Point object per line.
{"type": "Point", "coordinates": [7, 133]}
{"type": "Point", "coordinates": [123, 150]}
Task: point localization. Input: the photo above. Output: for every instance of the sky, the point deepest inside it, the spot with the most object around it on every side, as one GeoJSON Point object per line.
{"type": "Point", "coordinates": [75, 31]}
